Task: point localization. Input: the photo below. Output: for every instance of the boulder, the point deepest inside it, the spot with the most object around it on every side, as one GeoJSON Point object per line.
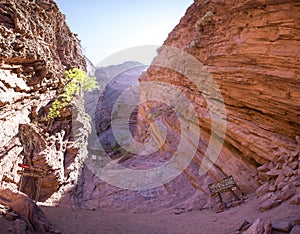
{"type": "Point", "coordinates": [279, 179]}
{"type": "Point", "coordinates": [287, 171]}
{"type": "Point", "coordinates": [295, 230]}
{"type": "Point", "coordinates": [294, 165]}
{"type": "Point", "coordinates": [32, 218]}
{"type": "Point", "coordinates": [269, 204]}
{"type": "Point", "coordinates": [262, 190]}
{"type": "Point", "coordinates": [286, 193]}
{"type": "Point", "coordinates": [282, 227]}
{"type": "Point", "coordinates": [295, 200]}
{"type": "Point", "coordinates": [260, 226]}
{"type": "Point", "coordinates": [245, 225]}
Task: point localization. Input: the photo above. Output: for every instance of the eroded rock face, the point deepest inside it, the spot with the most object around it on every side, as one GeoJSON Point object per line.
{"type": "Point", "coordinates": [36, 47]}
{"type": "Point", "coordinates": [126, 79]}
{"type": "Point", "coordinates": [249, 49]}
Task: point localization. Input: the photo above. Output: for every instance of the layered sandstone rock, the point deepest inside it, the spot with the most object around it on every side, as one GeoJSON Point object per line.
{"type": "Point", "coordinates": [126, 77]}
{"type": "Point", "coordinates": [249, 48]}
{"type": "Point", "coordinates": [36, 47]}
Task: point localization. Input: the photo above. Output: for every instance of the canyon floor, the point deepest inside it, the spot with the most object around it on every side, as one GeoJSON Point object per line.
{"type": "Point", "coordinates": [189, 222]}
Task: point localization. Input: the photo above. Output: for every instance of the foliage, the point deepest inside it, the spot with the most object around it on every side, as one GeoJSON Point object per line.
{"type": "Point", "coordinates": [74, 82]}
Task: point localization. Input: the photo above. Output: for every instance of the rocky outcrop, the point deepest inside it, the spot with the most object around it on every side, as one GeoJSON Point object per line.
{"type": "Point", "coordinates": [126, 76]}
{"type": "Point", "coordinates": [29, 218]}
{"type": "Point", "coordinates": [249, 49]}
{"type": "Point", "coordinates": [260, 226]}
{"type": "Point", "coordinates": [36, 48]}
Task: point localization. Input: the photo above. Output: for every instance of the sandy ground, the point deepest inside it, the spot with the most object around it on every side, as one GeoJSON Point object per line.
{"type": "Point", "coordinates": [205, 221]}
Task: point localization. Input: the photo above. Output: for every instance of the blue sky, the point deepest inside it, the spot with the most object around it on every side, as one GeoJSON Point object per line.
{"type": "Point", "coordinates": [108, 26]}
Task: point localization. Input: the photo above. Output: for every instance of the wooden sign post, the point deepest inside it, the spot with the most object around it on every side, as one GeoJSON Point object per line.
{"type": "Point", "coordinates": [225, 185]}
{"type": "Point", "coordinates": [31, 172]}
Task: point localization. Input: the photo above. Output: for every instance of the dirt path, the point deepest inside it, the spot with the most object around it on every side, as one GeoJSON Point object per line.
{"type": "Point", "coordinates": [198, 222]}
{"type": "Point", "coordinates": [205, 221]}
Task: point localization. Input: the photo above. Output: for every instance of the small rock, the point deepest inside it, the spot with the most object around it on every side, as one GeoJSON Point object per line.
{"type": "Point", "coordinates": [179, 211]}
{"type": "Point", "coordinates": [266, 197]}
{"type": "Point", "coordinates": [263, 189]}
{"type": "Point", "coordinates": [286, 193]}
{"type": "Point", "coordinates": [269, 204]}
{"type": "Point", "coordinates": [260, 227]}
{"type": "Point", "coordinates": [297, 221]}
{"type": "Point", "coordinates": [295, 180]}
{"type": "Point", "coordinates": [257, 178]}
{"type": "Point", "coordinates": [263, 168]}
{"type": "Point", "coordinates": [279, 179]}
{"type": "Point", "coordinates": [272, 188]}
{"type": "Point", "coordinates": [279, 166]}
{"type": "Point", "coordinates": [245, 225]}
{"type": "Point", "coordinates": [296, 200]}
{"type": "Point", "coordinates": [273, 173]}
{"type": "Point", "coordinates": [295, 230]}
{"type": "Point", "coordinates": [282, 226]}
{"type": "Point", "coordinates": [287, 171]}
{"type": "Point", "coordinates": [263, 176]}
{"type": "Point", "coordinates": [220, 207]}
{"type": "Point", "coordinates": [235, 203]}
{"type": "Point", "coordinates": [291, 159]}
{"type": "Point", "coordinates": [282, 159]}
{"type": "Point", "coordinates": [281, 185]}
{"type": "Point", "coordinates": [294, 165]}
{"type": "Point", "coordinates": [271, 165]}
{"type": "Point", "coordinates": [297, 138]}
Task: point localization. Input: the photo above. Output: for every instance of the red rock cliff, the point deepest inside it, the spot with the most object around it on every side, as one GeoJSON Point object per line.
{"type": "Point", "coordinates": [250, 48]}
{"type": "Point", "coordinates": [36, 47]}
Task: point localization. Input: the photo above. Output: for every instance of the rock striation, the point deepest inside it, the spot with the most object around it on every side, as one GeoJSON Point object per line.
{"type": "Point", "coordinates": [36, 48]}
{"type": "Point", "coordinates": [249, 49]}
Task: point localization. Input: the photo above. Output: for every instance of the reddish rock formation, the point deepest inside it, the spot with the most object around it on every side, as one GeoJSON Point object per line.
{"type": "Point", "coordinates": [36, 47]}
{"type": "Point", "coordinates": [260, 226]}
{"type": "Point", "coordinates": [249, 47]}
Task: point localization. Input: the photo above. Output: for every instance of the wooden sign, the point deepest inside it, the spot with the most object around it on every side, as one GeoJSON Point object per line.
{"type": "Point", "coordinates": [221, 186]}
{"type": "Point", "coordinates": [28, 170]}
{"type": "Point", "coordinates": [31, 174]}
{"type": "Point", "coordinates": [31, 168]}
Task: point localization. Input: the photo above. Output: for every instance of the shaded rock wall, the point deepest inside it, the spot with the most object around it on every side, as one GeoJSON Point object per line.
{"type": "Point", "coordinates": [36, 47]}
{"type": "Point", "coordinates": [111, 94]}
{"type": "Point", "coordinates": [249, 47]}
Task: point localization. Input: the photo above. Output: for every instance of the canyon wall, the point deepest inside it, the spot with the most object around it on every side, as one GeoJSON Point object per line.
{"type": "Point", "coordinates": [250, 50]}
{"type": "Point", "coordinates": [36, 48]}
{"type": "Point", "coordinates": [247, 50]}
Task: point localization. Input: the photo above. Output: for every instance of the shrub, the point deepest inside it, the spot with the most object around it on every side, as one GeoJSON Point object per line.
{"type": "Point", "coordinates": [74, 82]}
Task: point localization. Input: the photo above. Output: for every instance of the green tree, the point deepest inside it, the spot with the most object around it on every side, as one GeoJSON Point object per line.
{"type": "Point", "coordinates": [75, 81]}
